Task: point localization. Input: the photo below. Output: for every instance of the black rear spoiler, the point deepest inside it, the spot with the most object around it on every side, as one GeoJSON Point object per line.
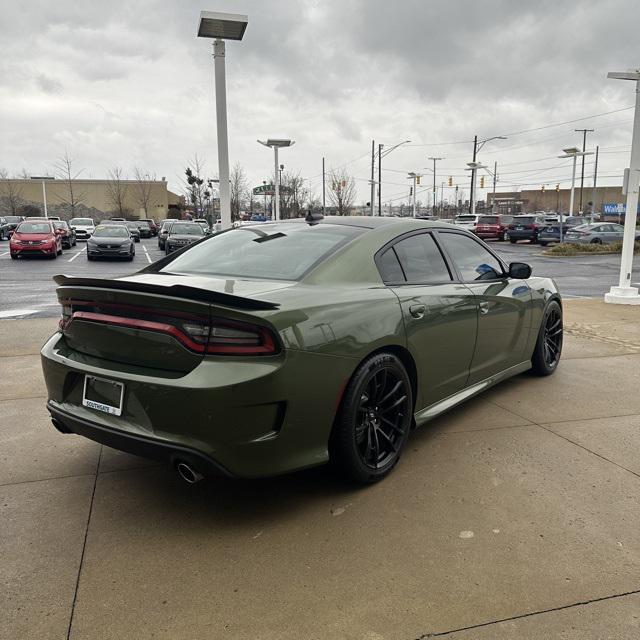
{"type": "Point", "coordinates": [174, 290]}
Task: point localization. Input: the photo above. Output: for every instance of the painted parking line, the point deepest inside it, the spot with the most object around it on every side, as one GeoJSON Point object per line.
{"type": "Point", "coordinates": [146, 253]}
{"type": "Point", "coordinates": [72, 258]}
{"type": "Point", "coordinates": [6, 253]}
{"type": "Point", "coordinates": [17, 313]}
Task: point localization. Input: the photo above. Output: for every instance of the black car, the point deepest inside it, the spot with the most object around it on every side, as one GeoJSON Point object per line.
{"type": "Point", "coordinates": [134, 231]}
{"type": "Point", "coordinates": [526, 227]}
{"type": "Point", "coordinates": [144, 229]}
{"type": "Point", "coordinates": [551, 233]}
{"type": "Point", "coordinates": [164, 232]}
{"type": "Point", "coordinates": [111, 241]}
{"type": "Point", "coordinates": [8, 225]}
{"type": "Point", "coordinates": [67, 233]}
{"type": "Point", "coordinates": [183, 233]}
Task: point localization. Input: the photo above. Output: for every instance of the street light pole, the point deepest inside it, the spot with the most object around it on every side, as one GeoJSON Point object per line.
{"type": "Point", "coordinates": [472, 206]}
{"type": "Point", "coordinates": [434, 182]}
{"type": "Point", "coordinates": [43, 180]}
{"type": "Point", "coordinates": [221, 27]}
{"type": "Point", "coordinates": [380, 156]}
{"type": "Point", "coordinates": [276, 143]}
{"type": "Point", "coordinates": [595, 178]}
{"type": "Point", "coordinates": [584, 148]}
{"type": "Point", "coordinates": [495, 178]}
{"type": "Point", "coordinates": [324, 200]}
{"type": "Point", "coordinates": [624, 293]}
{"type": "Point", "coordinates": [373, 184]}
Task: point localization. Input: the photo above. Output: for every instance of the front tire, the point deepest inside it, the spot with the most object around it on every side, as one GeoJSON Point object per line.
{"type": "Point", "coordinates": [373, 423]}
{"type": "Point", "coordinates": [546, 355]}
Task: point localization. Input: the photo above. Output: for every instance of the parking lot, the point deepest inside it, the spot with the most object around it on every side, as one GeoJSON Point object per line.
{"type": "Point", "coordinates": [513, 516]}
{"type": "Point", "coordinates": [27, 289]}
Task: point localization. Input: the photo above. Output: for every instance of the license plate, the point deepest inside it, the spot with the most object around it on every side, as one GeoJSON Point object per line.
{"type": "Point", "coordinates": [103, 395]}
{"type": "Point", "coordinates": [519, 228]}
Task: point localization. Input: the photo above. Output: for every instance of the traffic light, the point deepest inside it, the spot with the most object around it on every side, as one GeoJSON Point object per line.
{"type": "Point", "coordinates": [451, 181]}
{"type": "Point", "coordinates": [417, 179]}
{"type": "Point", "coordinates": [482, 182]}
{"type": "Point", "coordinates": [410, 191]}
{"type": "Point", "coordinates": [557, 187]}
{"type": "Point", "coordinates": [542, 189]}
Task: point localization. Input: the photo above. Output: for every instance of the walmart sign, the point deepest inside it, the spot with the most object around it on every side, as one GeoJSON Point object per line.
{"type": "Point", "coordinates": [615, 208]}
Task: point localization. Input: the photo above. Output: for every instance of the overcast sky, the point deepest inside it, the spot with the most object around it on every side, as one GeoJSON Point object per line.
{"type": "Point", "coordinates": [127, 84]}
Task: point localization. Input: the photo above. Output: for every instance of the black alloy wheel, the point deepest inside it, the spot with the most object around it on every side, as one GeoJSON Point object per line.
{"type": "Point", "coordinates": [596, 241]}
{"type": "Point", "coordinates": [374, 420]}
{"type": "Point", "coordinates": [546, 355]}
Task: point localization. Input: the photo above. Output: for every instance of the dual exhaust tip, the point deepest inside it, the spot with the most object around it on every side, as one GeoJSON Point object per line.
{"type": "Point", "coordinates": [186, 472]}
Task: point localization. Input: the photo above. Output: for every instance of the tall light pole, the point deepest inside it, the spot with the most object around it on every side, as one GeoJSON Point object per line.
{"type": "Point", "coordinates": [624, 293]}
{"type": "Point", "coordinates": [434, 181]}
{"type": "Point", "coordinates": [477, 146]}
{"type": "Point", "coordinates": [384, 154]}
{"type": "Point", "coordinates": [221, 27]}
{"type": "Point", "coordinates": [276, 143]}
{"type": "Point", "coordinates": [43, 179]}
{"type": "Point", "coordinates": [416, 178]}
{"type": "Point", "coordinates": [473, 167]}
{"type": "Point", "coordinates": [572, 152]}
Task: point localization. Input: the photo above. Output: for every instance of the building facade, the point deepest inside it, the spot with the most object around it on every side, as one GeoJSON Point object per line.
{"type": "Point", "coordinates": [92, 198]}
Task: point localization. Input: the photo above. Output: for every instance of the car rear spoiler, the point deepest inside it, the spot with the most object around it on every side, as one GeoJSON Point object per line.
{"type": "Point", "coordinates": [174, 290]}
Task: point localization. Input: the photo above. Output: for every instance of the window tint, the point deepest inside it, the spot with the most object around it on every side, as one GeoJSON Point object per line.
{"type": "Point", "coordinates": [421, 259]}
{"type": "Point", "coordinates": [473, 261]}
{"type": "Point", "coordinates": [389, 267]}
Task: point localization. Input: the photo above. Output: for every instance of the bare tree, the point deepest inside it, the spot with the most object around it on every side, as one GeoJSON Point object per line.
{"type": "Point", "coordinates": [239, 186]}
{"type": "Point", "coordinates": [117, 189]}
{"type": "Point", "coordinates": [342, 191]}
{"type": "Point", "coordinates": [194, 184]}
{"type": "Point", "coordinates": [293, 194]}
{"type": "Point", "coordinates": [10, 192]}
{"type": "Point", "coordinates": [143, 187]}
{"type": "Point", "coordinates": [72, 196]}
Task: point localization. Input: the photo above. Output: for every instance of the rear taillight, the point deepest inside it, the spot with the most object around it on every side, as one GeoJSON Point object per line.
{"type": "Point", "coordinates": [65, 317]}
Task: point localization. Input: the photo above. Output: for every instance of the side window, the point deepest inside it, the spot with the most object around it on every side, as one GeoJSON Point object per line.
{"type": "Point", "coordinates": [473, 261]}
{"type": "Point", "coordinates": [389, 267]}
{"type": "Point", "coordinates": [421, 260]}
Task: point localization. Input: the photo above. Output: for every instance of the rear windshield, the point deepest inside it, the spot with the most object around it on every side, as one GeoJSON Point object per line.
{"type": "Point", "coordinates": [488, 220]}
{"type": "Point", "coordinates": [186, 229]}
{"type": "Point", "coordinates": [272, 251]}
{"type": "Point", "coordinates": [111, 231]}
{"type": "Point", "coordinates": [82, 221]}
{"type": "Point", "coordinates": [60, 224]}
{"type": "Point", "coordinates": [466, 218]}
{"type": "Point", "coordinates": [34, 227]}
{"type": "Point", "coordinates": [523, 220]}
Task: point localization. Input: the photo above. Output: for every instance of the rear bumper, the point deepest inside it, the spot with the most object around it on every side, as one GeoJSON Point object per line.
{"type": "Point", "coordinates": [522, 235]}
{"type": "Point", "coordinates": [137, 445]}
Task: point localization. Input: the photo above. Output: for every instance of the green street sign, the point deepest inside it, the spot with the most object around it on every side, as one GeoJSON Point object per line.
{"type": "Point", "coordinates": [264, 190]}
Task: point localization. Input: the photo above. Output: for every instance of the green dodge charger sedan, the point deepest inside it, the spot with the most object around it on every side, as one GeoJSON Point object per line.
{"type": "Point", "coordinates": [279, 346]}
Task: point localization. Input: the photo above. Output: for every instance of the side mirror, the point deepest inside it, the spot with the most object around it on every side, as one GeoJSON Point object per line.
{"type": "Point", "coordinates": [73, 228]}
{"type": "Point", "coordinates": [519, 270]}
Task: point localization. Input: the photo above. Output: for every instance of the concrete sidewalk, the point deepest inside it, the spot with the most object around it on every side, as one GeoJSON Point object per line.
{"type": "Point", "coordinates": [514, 516]}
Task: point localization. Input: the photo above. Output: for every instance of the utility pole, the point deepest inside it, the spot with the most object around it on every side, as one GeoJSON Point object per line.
{"type": "Point", "coordinates": [434, 182]}
{"type": "Point", "coordinates": [380, 179]}
{"type": "Point", "coordinates": [324, 196]}
{"type": "Point", "coordinates": [415, 177]}
{"type": "Point", "coordinates": [584, 148]}
{"type": "Point", "coordinates": [472, 207]}
{"type": "Point", "coordinates": [595, 178]}
{"type": "Point", "coordinates": [373, 168]}
{"type": "Point", "coordinates": [495, 178]}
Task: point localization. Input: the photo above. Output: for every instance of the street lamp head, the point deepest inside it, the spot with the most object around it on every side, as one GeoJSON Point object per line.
{"type": "Point", "coordinates": [277, 142]}
{"type": "Point", "coordinates": [42, 177]}
{"type": "Point", "coordinates": [571, 150]}
{"type": "Point", "coordinates": [624, 75]}
{"type": "Point", "coordinates": [224, 26]}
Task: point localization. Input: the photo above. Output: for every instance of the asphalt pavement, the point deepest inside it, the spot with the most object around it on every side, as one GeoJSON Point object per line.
{"type": "Point", "coordinates": [27, 288]}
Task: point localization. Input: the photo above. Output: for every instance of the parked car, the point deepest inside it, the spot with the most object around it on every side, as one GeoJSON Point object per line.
{"type": "Point", "coordinates": [525, 227]}
{"type": "Point", "coordinates": [280, 346]}
{"type": "Point", "coordinates": [203, 223]}
{"type": "Point", "coordinates": [183, 233]}
{"type": "Point", "coordinates": [67, 233]}
{"type": "Point", "coordinates": [493, 226]}
{"type": "Point", "coordinates": [466, 221]}
{"type": "Point", "coordinates": [84, 227]}
{"type": "Point", "coordinates": [118, 219]}
{"type": "Point", "coordinates": [152, 225]}
{"type": "Point", "coordinates": [134, 231]}
{"type": "Point", "coordinates": [551, 233]}
{"type": "Point", "coordinates": [164, 232]}
{"type": "Point", "coordinates": [8, 225]}
{"type": "Point", "coordinates": [111, 241]}
{"type": "Point", "coordinates": [35, 238]}
{"type": "Point", "coordinates": [597, 233]}
{"type": "Point", "coordinates": [143, 228]}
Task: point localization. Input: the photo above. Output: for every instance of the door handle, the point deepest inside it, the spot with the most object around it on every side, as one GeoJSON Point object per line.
{"type": "Point", "coordinates": [417, 310]}
{"type": "Point", "coordinates": [484, 307]}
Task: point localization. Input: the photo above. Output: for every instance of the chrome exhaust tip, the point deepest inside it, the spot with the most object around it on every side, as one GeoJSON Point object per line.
{"type": "Point", "coordinates": [188, 473]}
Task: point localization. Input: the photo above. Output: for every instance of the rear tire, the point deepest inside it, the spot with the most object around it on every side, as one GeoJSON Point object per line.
{"type": "Point", "coordinates": [512, 240]}
{"type": "Point", "coordinates": [14, 256]}
{"type": "Point", "coordinates": [548, 349]}
{"type": "Point", "coordinates": [543, 244]}
{"type": "Point", "coordinates": [374, 419]}
{"type": "Point", "coordinates": [596, 241]}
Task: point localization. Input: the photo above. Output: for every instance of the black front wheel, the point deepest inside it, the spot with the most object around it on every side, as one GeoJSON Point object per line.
{"type": "Point", "coordinates": [548, 349]}
{"type": "Point", "coordinates": [374, 420]}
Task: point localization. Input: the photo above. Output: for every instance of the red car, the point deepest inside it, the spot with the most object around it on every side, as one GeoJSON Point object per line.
{"type": "Point", "coordinates": [493, 226]}
{"type": "Point", "coordinates": [35, 238]}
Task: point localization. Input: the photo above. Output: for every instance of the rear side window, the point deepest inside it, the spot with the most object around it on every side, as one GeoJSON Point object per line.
{"type": "Point", "coordinates": [421, 260]}
{"type": "Point", "coordinates": [473, 261]}
{"type": "Point", "coordinates": [389, 267]}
